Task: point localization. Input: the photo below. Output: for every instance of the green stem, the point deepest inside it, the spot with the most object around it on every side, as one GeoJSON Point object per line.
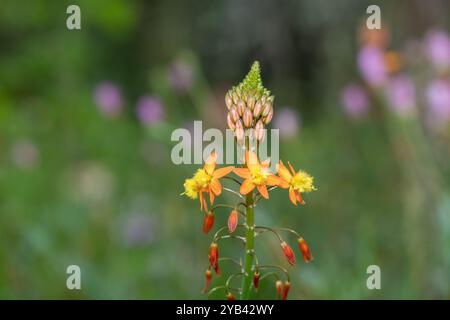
{"type": "Point", "coordinates": [249, 247]}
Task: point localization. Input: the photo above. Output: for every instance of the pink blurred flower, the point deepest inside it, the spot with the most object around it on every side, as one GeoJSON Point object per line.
{"type": "Point", "coordinates": [371, 64]}
{"type": "Point", "coordinates": [401, 95]}
{"type": "Point", "coordinates": [438, 98]}
{"type": "Point", "coordinates": [181, 76]}
{"type": "Point", "coordinates": [354, 101]}
{"type": "Point", "coordinates": [150, 110]}
{"type": "Point", "coordinates": [438, 48]}
{"type": "Point", "coordinates": [108, 98]}
{"type": "Point", "coordinates": [287, 121]}
{"type": "Point", "coordinates": [24, 154]}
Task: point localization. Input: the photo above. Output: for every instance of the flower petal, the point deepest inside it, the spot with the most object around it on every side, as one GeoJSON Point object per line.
{"type": "Point", "coordinates": [210, 163]}
{"type": "Point", "coordinates": [215, 186]}
{"type": "Point", "coordinates": [251, 159]}
{"type": "Point", "coordinates": [283, 172]}
{"type": "Point", "coordinates": [273, 180]}
{"type": "Point", "coordinates": [244, 173]}
{"type": "Point", "coordinates": [292, 196]}
{"type": "Point", "coordinates": [263, 190]}
{"type": "Point", "coordinates": [265, 163]}
{"type": "Point", "coordinates": [299, 197]}
{"type": "Point", "coordinates": [292, 169]}
{"type": "Point", "coordinates": [211, 197]}
{"type": "Point", "coordinates": [246, 186]}
{"type": "Point", "coordinates": [222, 172]}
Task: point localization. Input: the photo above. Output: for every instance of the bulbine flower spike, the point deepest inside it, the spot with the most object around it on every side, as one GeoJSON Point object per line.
{"type": "Point", "coordinates": [208, 222]}
{"type": "Point", "coordinates": [233, 221]}
{"type": "Point", "coordinates": [288, 252]}
{"type": "Point", "coordinates": [304, 249]}
{"type": "Point", "coordinates": [208, 277]}
{"type": "Point", "coordinates": [250, 109]}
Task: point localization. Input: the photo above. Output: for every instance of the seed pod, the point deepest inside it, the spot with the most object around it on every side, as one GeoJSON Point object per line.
{"type": "Point", "coordinates": [240, 107]}
{"type": "Point", "coordinates": [239, 131]}
{"type": "Point", "coordinates": [259, 130]}
{"type": "Point", "coordinates": [266, 109]}
{"type": "Point", "coordinates": [230, 122]}
{"type": "Point", "coordinates": [228, 100]}
{"type": "Point", "coordinates": [269, 117]}
{"type": "Point", "coordinates": [251, 102]}
{"type": "Point", "coordinates": [248, 118]}
{"type": "Point", "coordinates": [234, 114]}
{"type": "Point", "coordinates": [257, 110]}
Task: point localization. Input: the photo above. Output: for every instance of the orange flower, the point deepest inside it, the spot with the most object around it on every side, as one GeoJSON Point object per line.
{"type": "Point", "coordinates": [288, 252]}
{"type": "Point", "coordinates": [304, 249]}
{"type": "Point", "coordinates": [206, 180]}
{"type": "Point", "coordinates": [296, 182]}
{"type": "Point", "coordinates": [257, 175]}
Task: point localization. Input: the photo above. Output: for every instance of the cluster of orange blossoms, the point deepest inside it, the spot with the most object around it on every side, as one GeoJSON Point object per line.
{"type": "Point", "coordinates": [256, 180]}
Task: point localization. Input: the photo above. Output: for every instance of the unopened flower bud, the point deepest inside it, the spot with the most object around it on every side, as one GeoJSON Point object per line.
{"type": "Point", "coordinates": [233, 220]}
{"type": "Point", "coordinates": [208, 277]}
{"type": "Point", "coordinates": [288, 252]}
{"type": "Point", "coordinates": [256, 276]}
{"type": "Point", "coordinates": [234, 114]}
{"type": "Point", "coordinates": [257, 110]}
{"type": "Point", "coordinates": [230, 122]}
{"type": "Point", "coordinates": [279, 287]}
{"type": "Point", "coordinates": [239, 131]}
{"type": "Point", "coordinates": [269, 117]}
{"type": "Point", "coordinates": [240, 107]}
{"type": "Point", "coordinates": [235, 97]}
{"type": "Point", "coordinates": [230, 296]}
{"type": "Point", "coordinates": [214, 255]}
{"type": "Point", "coordinates": [304, 249]}
{"type": "Point", "coordinates": [259, 130]}
{"type": "Point", "coordinates": [228, 100]}
{"type": "Point", "coordinates": [251, 102]}
{"type": "Point", "coordinates": [248, 118]}
{"type": "Point", "coordinates": [266, 109]}
{"type": "Point", "coordinates": [208, 222]}
{"type": "Point", "coordinates": [287, 286]}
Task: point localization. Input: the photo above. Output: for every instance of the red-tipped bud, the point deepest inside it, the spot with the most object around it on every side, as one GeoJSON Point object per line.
{"type": "Point", "coordinates": [208, 277]}
{"type": "Point", "coordinates": [279, 287]}
{"type": "Point", "coordinates": [287, 286]}
{"type": "Point", "coordinates": [233, 221]}
{"type": "Point", "coordinates": [304, 249]}
{"type": "Point", "coordinates": [208, 222]}
{"type": "Point", "coordinates": [214, 255]}
{"type": "Point", "coordinates": [288, 252]}
{"type": "Point", "coordinates": [230, 296]}
{"type": "Point", "coordinates": [256, 280]}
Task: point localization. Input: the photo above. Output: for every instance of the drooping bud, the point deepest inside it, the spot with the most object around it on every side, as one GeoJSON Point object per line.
{"type": "Point", "coordinates": [304, 249]}
{"type": "Point", "coordinates": [259, 131]}
{"type": "Point", "coordinates": [239, 131]}
{"type": "Point", "coordinates": [230, 296]}
{"type": "Point", "coordinates": [256, 276]}
{"type": "Point", "coordinates": [230, 122]}
{"type": "Point", "coordinates": [217, 270]}
{"type": "Point", "coordinates": [257, 110]}
{"type": "Point", "coordinates": [208, 222]}
{"type": "Point", "coordinates": [234, 114]}
{"type": "Point", "coordinates": [287, 286]}
{"type": "Point", "coordinates": [208, 277]}
{"type": "Point", "coordinates": [233, 220]}
{"type": "Point", "coordinates": [279, 287]}
{"type": "Point", "coordinates": [248, 118]}
{"type": "Point", "coordinates": [288, 252]}
{"type": "Point", "coordinates": [214, 255]}
{"type": "Point", "coordinates": [228, 100]}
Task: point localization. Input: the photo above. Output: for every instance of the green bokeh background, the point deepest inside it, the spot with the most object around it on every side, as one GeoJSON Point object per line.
{"type": "Point", "coordinates": [383, 183]}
